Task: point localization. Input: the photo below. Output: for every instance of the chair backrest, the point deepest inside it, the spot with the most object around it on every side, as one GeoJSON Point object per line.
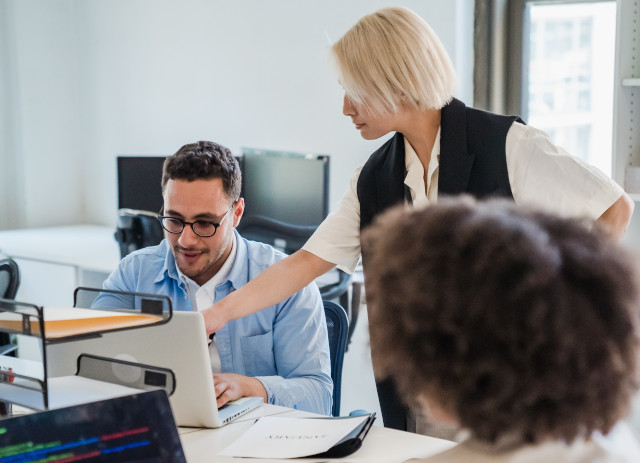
{"type": "Point", "coordinates": [9, 282]}
{"type": "Point", "coordinates": [9, 277]}
{"type": "Point", "coordinates": [137, 229]}
{"type": "Point", "coordinates": [289, 238]}
{"type": "Point", "coordinates": [338, 327]}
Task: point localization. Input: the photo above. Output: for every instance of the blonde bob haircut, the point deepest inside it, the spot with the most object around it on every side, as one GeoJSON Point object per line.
{"type": "Point", "coordinates": [390, 56]}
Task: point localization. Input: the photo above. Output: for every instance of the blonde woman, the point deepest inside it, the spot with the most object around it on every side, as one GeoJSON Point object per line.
{"type": "Point", "coordinates": [397, 77]}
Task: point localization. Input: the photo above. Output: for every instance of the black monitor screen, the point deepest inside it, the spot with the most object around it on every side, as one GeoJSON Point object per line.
{"type": "Point", "coordinates": [289, 187]}
{"type": "Point", "coordinates": [135, 428]}
{"type": "Point", "coordinates": [139, 180]}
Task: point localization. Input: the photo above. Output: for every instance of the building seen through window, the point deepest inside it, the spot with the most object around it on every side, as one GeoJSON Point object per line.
{"type": "Point", "coordinates": [568, 76]}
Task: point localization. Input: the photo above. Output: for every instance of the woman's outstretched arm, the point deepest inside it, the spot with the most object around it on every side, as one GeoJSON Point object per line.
{"type": "Point", "coordinates": [276, 283]}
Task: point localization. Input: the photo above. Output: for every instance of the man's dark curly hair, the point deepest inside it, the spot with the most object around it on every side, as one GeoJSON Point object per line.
{"type": "Point", "coordinates": [520, 323]}
{"type": "Point", "coordinates": [204, 160]}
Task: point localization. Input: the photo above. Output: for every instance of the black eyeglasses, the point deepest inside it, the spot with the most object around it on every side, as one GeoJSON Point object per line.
{"type": "Point", "coordinates": [201, 228]}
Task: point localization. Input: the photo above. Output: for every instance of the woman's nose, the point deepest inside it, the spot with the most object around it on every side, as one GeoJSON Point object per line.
{"type": "Point", "coordinates": [347, 107]}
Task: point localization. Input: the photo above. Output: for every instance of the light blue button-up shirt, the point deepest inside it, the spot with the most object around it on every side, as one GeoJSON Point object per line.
{"type": "Point", "coordinates": [285, 346]}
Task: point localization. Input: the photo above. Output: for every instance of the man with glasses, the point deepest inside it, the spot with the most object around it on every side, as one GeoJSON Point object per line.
{"type": "Point", "coordinates": [281, 353]}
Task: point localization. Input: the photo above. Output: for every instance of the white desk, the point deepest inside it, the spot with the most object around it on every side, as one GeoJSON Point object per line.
{"type": "Point", "coordinates": [91, 247]}
{"type": "Point", "coordinates": [54, 261]}
{"type": "Point", "coordinates": [382, 445]}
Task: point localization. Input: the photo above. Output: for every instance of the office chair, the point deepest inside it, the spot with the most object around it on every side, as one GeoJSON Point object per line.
{"type": "Point", "coordinates": [337, 327]}
{"type": "Point", "coordinates": [137, 229]}
{"type": "Point", "coordinates": [9, 277]}
{"type": "Point", "coordinates": [290, 238]}
{"type": "Point", "coordinates": [9, 282]}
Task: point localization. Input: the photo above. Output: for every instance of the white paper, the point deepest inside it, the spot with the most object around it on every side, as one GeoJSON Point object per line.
{"type": "Point", "coordinates": [77, 313]}
{"type": "Point", "coordinates": [26, 367]}
{"type": "Point", "coordinates": [52, 314]}
{"type": "Point", "coordinates": [66, 391]}
{"type": "Point", "coordinates": [282, 437]}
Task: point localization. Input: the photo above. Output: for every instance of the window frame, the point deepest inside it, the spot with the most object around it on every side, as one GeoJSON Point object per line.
{"type": "Point", "coordinates": [499, 53]}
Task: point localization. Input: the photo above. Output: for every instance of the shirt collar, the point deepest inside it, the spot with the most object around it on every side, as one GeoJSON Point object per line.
{"type": "Point", "coordinates": [217, 279]}
{"type": "Point", "coordinates": [435, 155]}
{"type": "Point", "coordinates": [169, 269]}
{"type": "Point", "coordinates": [236, 272]}
{"type": "Point", "coordinates": [414, 178]}
{"type": "Point", "coordinates": [239, 272]}
{"type": "Point", "coordinates": [415, 171]}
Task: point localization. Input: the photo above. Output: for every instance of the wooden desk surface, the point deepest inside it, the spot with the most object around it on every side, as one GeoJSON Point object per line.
{"type": "Point", "coordinates": [381, 445]}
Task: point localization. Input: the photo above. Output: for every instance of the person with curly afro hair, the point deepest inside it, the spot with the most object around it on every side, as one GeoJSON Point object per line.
{"type": "Point", "coordinates": [518, 326]}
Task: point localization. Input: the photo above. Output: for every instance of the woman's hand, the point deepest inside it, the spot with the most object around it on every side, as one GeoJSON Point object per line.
{"type": "Point", "coordinates": [278, 282]}
{"type": "Point", "coordinates": [214, 317]}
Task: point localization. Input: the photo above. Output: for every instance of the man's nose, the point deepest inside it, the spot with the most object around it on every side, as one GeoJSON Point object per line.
{"type": "Point", "coordinates": [187, 236]}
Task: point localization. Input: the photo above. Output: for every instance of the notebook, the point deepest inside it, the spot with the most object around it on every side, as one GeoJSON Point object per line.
{"type": "Point", "coordinates": [179, 345]}
{"type": "Point", "coordinates": [133, 428]}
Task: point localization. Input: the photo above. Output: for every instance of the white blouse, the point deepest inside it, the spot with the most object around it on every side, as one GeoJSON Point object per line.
{"type": "Point", "coordinates": [540, 174]}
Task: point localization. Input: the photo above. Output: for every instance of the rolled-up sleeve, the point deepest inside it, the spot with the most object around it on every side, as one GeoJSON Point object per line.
{"type": "Point", "coordinates": [337, 239]}
{"type": "Point", "coordinates": [544, 175]}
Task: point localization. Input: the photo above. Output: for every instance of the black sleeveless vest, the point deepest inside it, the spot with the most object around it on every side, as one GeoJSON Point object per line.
{"type": "Point", "coordinates": [472, 160]}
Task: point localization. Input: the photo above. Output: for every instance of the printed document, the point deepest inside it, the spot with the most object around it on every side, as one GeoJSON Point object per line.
{"type": "Point", "coordinates": [282, 437]}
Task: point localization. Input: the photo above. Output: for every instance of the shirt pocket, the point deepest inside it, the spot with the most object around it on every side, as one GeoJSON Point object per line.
{"type": "Point", "coordinates": [257, 352]}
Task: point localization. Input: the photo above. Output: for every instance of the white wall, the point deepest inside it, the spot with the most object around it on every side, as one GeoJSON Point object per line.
{"type": "Point", "coordinates": [91, 79]}
{"type": "Point", "coordinates": [43, 112]}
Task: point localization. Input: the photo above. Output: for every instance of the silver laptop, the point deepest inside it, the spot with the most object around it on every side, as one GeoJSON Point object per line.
{"type": "Point", "coordinates": [179, 345]}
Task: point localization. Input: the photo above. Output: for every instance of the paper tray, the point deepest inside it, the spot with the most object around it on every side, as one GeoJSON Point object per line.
{"type": "Point", "coordinates": [98, 378]}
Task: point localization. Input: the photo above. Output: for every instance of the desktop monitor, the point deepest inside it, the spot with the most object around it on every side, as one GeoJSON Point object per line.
{"type": "Point", "coordinates": [139, 201]}
{"type": "Point", "coordinates": [288, 187]}
{"type": "Point", "coordinates": [139, 180]}
{"type": "Point", "coordinates": [134, 428]}
{"type": "Point", "coordinates": [286, 196]}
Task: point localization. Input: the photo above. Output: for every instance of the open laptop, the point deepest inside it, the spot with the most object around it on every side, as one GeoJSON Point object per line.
{"type": "Point", "coordinates": [179, 345]}
{"type": "Point", "coordinates": [133, 428]}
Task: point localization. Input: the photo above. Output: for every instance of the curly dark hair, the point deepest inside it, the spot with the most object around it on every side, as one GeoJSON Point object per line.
{"type": "Point", "coordinates": [520, 323]}
{"type": "Point", "coordinates": [204, 160]}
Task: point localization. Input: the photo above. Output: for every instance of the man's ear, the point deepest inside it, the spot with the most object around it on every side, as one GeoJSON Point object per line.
{"type": "Point", "coordinates": [238, 211]}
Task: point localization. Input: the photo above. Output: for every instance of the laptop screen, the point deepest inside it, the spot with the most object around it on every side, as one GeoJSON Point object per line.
{"type": "Point", "coordinates": [134, 428]}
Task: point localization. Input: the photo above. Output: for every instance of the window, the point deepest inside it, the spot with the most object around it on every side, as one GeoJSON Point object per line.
{"type": "Point", "coordinates": [553, 63]}
{"type": "Point", "coordinates": [568, 69]}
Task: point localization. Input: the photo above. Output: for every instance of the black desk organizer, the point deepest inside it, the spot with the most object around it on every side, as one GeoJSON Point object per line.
{"type": "Point", "coordinates": [24, 382]}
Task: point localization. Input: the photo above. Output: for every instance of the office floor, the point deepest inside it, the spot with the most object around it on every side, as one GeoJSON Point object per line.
{"type": "Point", "coordinates": [358, 384]}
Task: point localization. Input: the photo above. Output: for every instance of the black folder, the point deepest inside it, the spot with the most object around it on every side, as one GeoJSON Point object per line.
{"type": "Point", "coordinates": [351, 442]}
